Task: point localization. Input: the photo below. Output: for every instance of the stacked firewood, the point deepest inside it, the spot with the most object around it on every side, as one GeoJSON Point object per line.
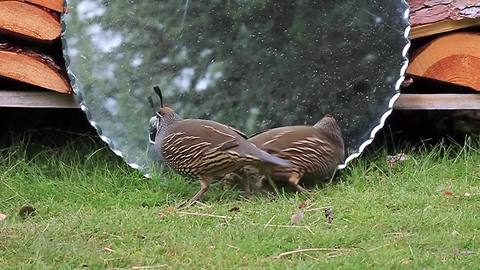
{"type": "Point", "coordinates": [30, 46]}
{"type": "Point", "coordinates": [444, 72]}
{"type": "Point", "coordinates": [446, 42]}
{"type": "Point", "coordinates": [444, 56]}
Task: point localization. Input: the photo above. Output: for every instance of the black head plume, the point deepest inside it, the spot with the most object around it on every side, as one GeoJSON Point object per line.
{"type": "Point", "coordinates": [159, 93]}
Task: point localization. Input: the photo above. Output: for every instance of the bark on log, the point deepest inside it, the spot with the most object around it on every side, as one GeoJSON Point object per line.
{"type": "Point", "coordinates": [56, 5]}
{"type": "Point", "coordinates": [430, 17]}
{"type": "Point", "coordinates": [453, 58]}
{"type": "Point", "coordinates": [29, 21]}
{"type": "Point", "coordinates": [430, 11]}
{"type": "Point", "coordinates": [33, 68]}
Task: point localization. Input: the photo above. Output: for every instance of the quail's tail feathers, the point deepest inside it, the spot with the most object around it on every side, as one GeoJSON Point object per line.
{"type": "Point", "coordinates": [266, 157]}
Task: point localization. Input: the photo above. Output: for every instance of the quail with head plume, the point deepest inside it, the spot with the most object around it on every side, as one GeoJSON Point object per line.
{"type": "Point", "coordinates": [205, 149]}
{"type": "Point", "coordinates": [312, 150]}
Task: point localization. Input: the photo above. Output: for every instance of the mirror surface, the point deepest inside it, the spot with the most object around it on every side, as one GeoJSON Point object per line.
{"type": "Point", "coordinates": [251, 64]}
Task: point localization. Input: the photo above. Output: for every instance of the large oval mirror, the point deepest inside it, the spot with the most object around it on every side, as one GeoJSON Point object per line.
{"type": "Point", "coordinates": [250, 64]}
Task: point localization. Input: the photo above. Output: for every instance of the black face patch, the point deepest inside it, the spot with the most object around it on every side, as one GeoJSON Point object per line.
{"type": "Point", "coordinates": [152, 131]}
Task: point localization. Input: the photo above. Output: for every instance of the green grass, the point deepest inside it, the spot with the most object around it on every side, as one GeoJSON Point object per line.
{"type": "Point", "coordinates": [93, 211]}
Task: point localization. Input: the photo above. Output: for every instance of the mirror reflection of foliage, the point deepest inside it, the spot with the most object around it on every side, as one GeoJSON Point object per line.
{"type": "Point", "coordinates": [251, 64]}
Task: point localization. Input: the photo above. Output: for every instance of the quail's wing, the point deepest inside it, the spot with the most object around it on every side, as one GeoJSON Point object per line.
{"type": "Point", "coordinates": [237, 131]}
{"type": "Point", "coordinates": [279, 139]}
{"type": "Point", "coordinates": [217, 136]}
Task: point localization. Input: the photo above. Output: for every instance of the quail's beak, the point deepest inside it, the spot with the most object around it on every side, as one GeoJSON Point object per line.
{"type": "Point", "coordinates": [152, 127]}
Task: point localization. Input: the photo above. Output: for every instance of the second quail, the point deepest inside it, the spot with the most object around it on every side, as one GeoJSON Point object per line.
{"type": "Point", "coordinates": [312, 150]}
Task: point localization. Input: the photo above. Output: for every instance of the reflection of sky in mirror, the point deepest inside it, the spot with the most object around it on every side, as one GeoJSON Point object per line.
{"type": "Point", "coordinates": [89, 9]}
{"type": "Point", "coordinates": [253, 65]}
{"type": "Point", "coordinates": [104, 40]}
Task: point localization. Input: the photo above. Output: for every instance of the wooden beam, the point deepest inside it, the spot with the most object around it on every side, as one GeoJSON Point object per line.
{"type": "Point", "coordinates": [441, 27]}
{"type": "Point", "coordinates": [438, 102]}
{"type": "Point", "coordinates": [30, 99]}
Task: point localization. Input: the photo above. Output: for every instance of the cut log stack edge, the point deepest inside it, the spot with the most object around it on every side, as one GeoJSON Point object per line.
{"type": "Point", "coordinates": [449, 56]}
{"type": "Point", "coordinates": [445, 55]}
{"type": "Point", "coordinates": [448, 31]}
{"type": "Point", "coordinates": [29, 32]}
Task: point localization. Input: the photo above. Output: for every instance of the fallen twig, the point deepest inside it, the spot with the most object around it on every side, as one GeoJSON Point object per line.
{"type": "Point", "coordinates": [311, 249]}
{"type": "Point", "coordinates": [149, 267]}
{"type": "Point", "coordinates": [268, 223]}
{"type": "Point", "coordinates": [310, 206]}
{"type": "Point", "coordinates": [234, 247]}
{"type": "Point", "coordinates": [203, 215]}
{"type": "Point", "coordinates": [108, 249]}
{"type": "Point", "coordinates": [203, 204]}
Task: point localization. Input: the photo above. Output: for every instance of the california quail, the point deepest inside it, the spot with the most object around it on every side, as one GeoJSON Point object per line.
{"type": "Point", "coordinates": [312, 150]}
{"type": "Point", "coordinates": [205, 149]}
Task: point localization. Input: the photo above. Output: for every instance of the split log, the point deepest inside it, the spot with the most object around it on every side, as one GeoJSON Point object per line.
{"type": "Point", "coordinates": [453, 58]}
{"type": "Point", "coordinates": [28, 20]}
{"type": "Point", "coordinates": [56, 5]}
{"type": "Point", "coordinates": [430, 17]}
{"type": "Point", "coordinates": [33, 68]}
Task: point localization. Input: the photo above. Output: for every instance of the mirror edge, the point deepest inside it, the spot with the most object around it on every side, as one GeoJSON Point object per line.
{"type": "Point", "coordinates": [79, 98]}
{"type": "Point", "coordinates": [394, 98]}
{"type": "Point", "coordinates": [375, 129]}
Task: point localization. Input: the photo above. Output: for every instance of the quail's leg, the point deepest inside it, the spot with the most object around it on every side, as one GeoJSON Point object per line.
{"type": "Point", "coordinates": [199, 195]}
{"type": "Point", "coordinates": [249, 177]}
{"type": "Point", "coordinates": [333, 176]}
{"type": "Point", "coordinates": [294, 179]}
{"type": "Point", "coordinates": [247, 186]}
{"type": "Point", "coordinates": [243, 181]}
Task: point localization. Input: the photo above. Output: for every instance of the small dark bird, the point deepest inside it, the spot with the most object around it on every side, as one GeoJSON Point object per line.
{"type": "Point", "coordinates": [205, 149]}
{"type": "Point", "coordinates": [312, 150]}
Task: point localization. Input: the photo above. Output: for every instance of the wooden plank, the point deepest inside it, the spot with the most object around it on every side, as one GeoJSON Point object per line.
{"type": "Point", "coordinates": [438, 102]}
{"type": "Point", "coordinates": [441, 27]}
{"type": "Point", "coordinates": [30, 99]}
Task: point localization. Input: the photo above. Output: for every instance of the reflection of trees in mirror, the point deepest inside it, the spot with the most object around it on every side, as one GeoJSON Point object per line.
{"type": "Point", "coordinates": [250, 64]}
